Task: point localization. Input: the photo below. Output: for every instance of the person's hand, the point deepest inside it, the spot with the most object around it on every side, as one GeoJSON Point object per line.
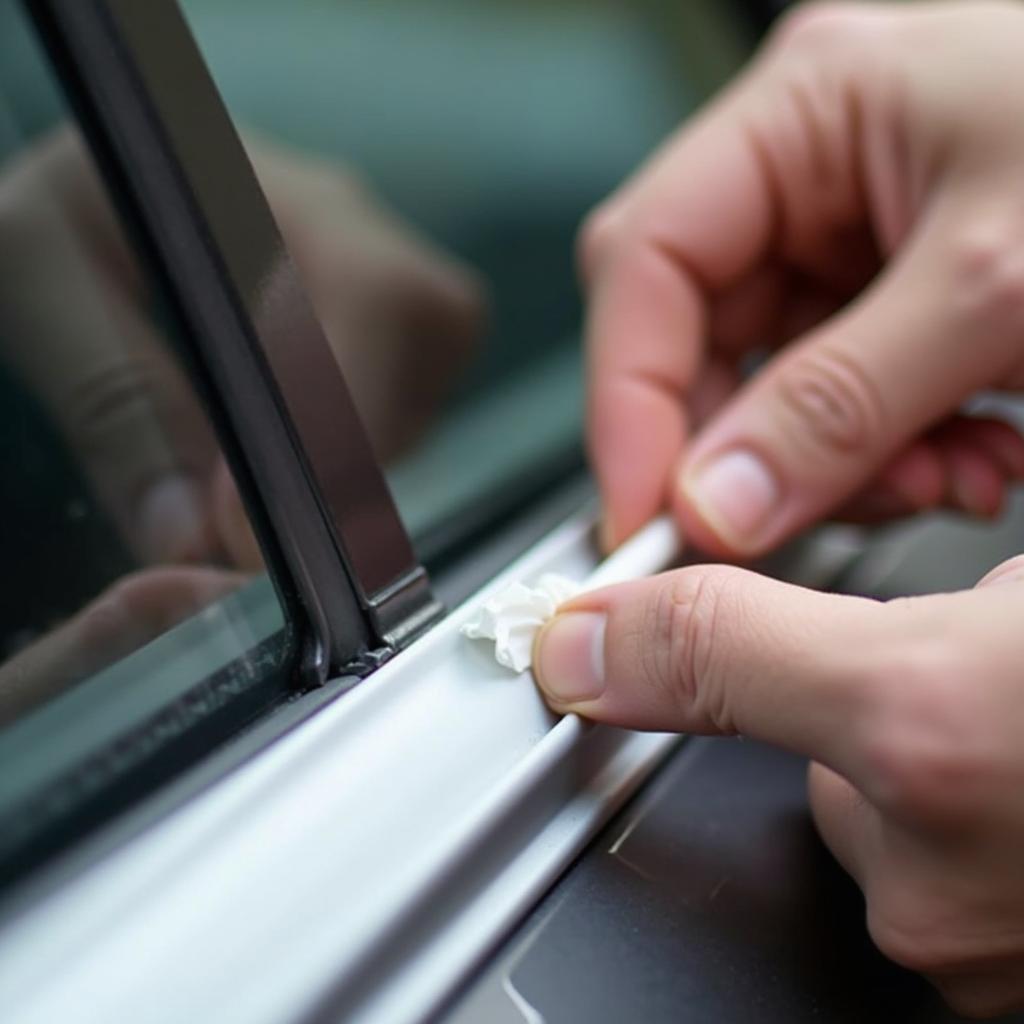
{"type": "Point", "coordinates": [863, 137]}
{"type": "Point", "coordinates": [913, 711]}
{"type": "Point", "coordinates": [76, 328]}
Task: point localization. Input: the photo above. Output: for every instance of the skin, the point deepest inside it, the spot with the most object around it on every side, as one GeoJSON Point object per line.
{"type": "Point", "coordinates": [850, 211]}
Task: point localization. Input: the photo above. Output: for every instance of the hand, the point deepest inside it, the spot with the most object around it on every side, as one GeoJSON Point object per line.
{"type": "Point", "coordinates": [863, 137]}
{"type": "Point", "coordinates": [913, 712]}
{"type": "Point", "coordinates": [400, 315]}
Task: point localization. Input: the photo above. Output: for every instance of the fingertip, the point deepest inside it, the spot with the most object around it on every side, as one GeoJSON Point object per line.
{"type": "Point", "coordinates": [632, 483]}
{"type": "Point", "coordinates": [976, 486]}
{"type": "Point", "coordinates": [620, 518]}
{"type": "Point", "coordinates": [569, 660]}
{"type": "Point", "coordinates": [172, 521]}
{"type": "Point", "coordinates": [644, 337]}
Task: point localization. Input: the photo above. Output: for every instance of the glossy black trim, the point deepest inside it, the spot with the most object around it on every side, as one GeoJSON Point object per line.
{"type": "Point", "coordinates": [166, 143]}
{"type": "Point", "coordinates": [341, 563]}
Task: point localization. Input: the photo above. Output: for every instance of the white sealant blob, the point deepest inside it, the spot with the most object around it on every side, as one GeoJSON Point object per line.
{"type": "Point", "coordinates": [512, 618]}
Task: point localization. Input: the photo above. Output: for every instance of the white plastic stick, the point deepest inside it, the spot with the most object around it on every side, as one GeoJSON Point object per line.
{"type": "Point", "coordinates": [654, 548]}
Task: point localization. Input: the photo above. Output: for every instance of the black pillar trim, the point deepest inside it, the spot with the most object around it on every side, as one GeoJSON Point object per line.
{"type": "Point", "coordinates": [315, 492]}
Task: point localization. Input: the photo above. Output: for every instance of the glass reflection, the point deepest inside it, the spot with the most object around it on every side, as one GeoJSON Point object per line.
{"type": "Point", "coordinates": [429, 162]}
{"type": "Point", "coordinates": [121, 522]}
{"type": "Point", "coordinates": [489, 129]}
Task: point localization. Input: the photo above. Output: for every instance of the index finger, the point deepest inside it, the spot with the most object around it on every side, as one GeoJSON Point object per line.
{"type": "Point", "coordinates": [696, 219]}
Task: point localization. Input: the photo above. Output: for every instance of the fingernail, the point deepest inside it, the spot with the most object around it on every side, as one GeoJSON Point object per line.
{"type": "Point", "coordinates": [171, 520]}
{"type": "Point", "coordinates": [570, 657]}
{"type": "Point", "coordinates": [736, 493]}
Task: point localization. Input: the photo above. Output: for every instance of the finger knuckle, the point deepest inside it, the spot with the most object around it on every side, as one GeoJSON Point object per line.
{"type": "Point", "coordinates": [820, 23]}
{"type": "Point", "coordinates": [103, 621]}
{"type": "Point", "coordinates": [126, 594]}
{"type": "Point", "coordinates": [113, 614]}
{"type": "Point", "coordinates": [833, 404]}
{"type": "Point", "coordinates": [922, 927]}
{"type": "Point", "coordinates": [914, 936]}
{"type": "Point", "coordinates": [688, 619]}
{"type": "Point", "coordinates": [110, 398]}
{"type": "Point", "coordinates": [1011, 569]}
{"type": "Point", "coordinates": [597, 238]}
{"type": "Point", "coordinates": [988, 269]}
{"type": "Point", "coordinates": [921, 769]}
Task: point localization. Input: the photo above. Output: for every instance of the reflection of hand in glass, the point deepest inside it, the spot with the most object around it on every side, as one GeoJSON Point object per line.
{"type": "Point", "coordinates": [79, 335]}
{"type": "Point", "coordinates": [75, 328]}
{"type": "Point", "coordinates": [401, 315]}
{"type": "Point", "coordinates": [127, 615]}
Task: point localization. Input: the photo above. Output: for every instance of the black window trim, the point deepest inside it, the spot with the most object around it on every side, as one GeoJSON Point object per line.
{"type": "Point", "coordinates": [341, 562]}
{"type": "Point", "coordinates": [162, 136]}
{"type": "Point", "coordinates": [343, 567]}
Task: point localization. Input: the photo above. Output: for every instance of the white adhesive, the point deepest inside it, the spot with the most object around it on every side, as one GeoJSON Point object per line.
{"type": "Point", "coordinates": [512, 618]}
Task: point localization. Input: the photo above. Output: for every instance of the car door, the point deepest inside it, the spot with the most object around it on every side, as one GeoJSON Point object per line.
{"type": "Point", "coordinates": [266, 458]}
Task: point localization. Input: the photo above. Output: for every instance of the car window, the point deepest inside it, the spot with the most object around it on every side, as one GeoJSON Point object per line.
{"type": "Point", "coordinates": [446, 153]}
{"type": "Point", "coordinates": [135, 603]}
{"type": "Point", "coordinates": [427, 163]}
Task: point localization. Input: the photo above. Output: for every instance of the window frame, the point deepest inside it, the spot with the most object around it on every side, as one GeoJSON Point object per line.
{"type": "Point", "coordinates": [351, 588]}
{"type": "Point", "coordinates": [166, 144]}
{"type": "Point", "coordinates": [388, 844]}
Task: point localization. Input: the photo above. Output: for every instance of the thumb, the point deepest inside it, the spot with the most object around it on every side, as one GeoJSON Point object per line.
{"type": "Point", "coordinates": [716, 649]}
{"type": "Point", "coordinates": [830, 411]}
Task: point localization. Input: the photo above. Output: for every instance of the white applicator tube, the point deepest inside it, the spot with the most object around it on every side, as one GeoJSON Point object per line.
{"type": "Point", "coordinates": [648, 551]}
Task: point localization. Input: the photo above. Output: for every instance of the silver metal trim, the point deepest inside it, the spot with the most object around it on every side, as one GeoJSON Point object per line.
{"type": "Point", "coordinates": [364, 863]}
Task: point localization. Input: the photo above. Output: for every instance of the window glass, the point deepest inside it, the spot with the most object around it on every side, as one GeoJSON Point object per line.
{"type": "Point", "coordinates": [134, 596]}
{"type": "Point", "coordinates": [430, 162]}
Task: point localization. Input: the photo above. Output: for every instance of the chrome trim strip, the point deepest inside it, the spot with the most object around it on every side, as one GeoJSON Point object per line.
{"type": "Point", "coordinates": [362, 865]}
